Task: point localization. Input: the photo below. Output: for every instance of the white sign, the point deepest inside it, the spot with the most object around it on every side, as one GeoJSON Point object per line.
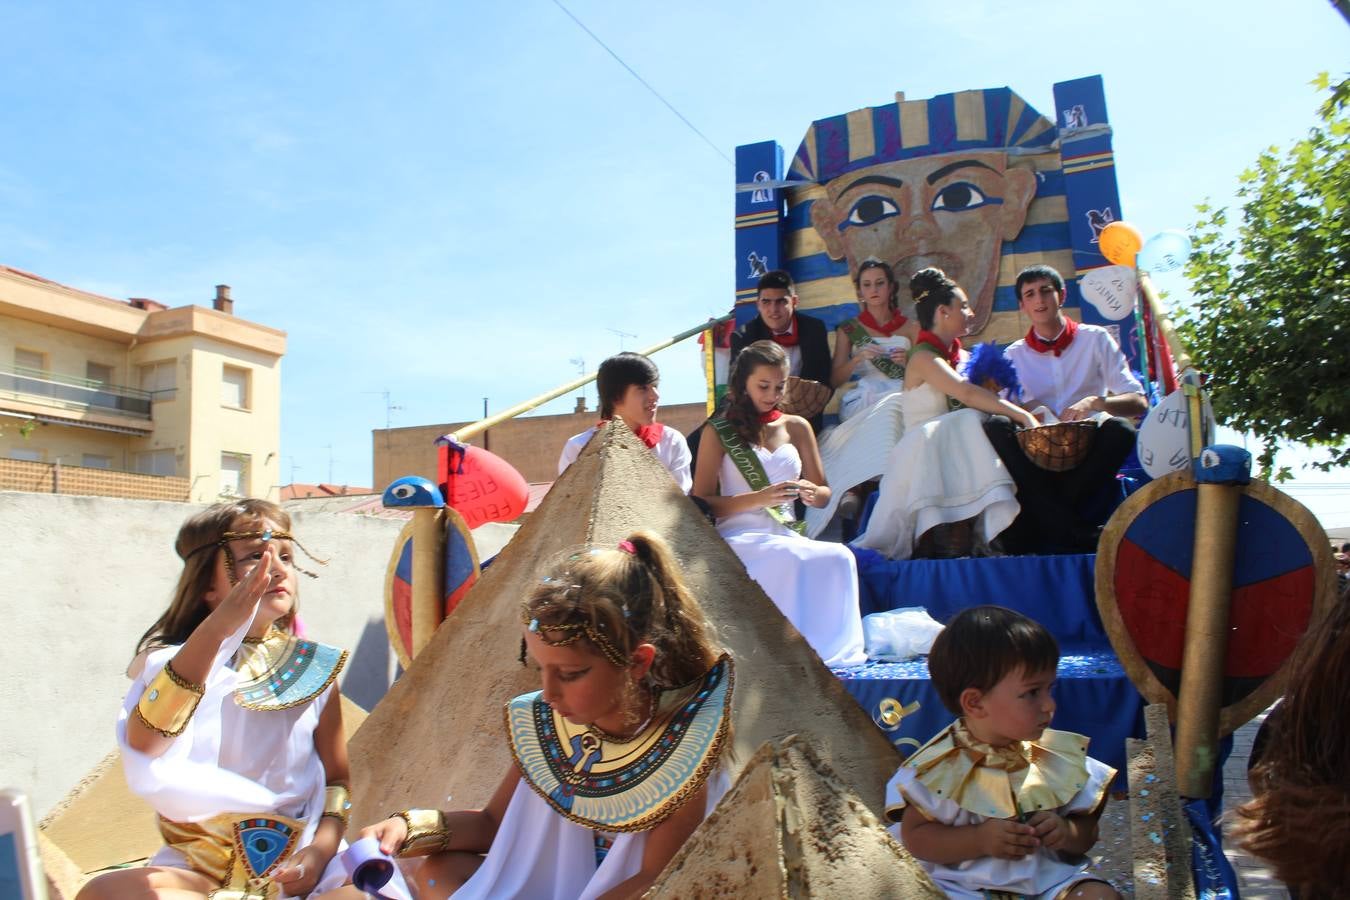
{"type": "Point", "coordinates": [1164, 444]}
{"type": "Point", "coordinates": [1111, 290]}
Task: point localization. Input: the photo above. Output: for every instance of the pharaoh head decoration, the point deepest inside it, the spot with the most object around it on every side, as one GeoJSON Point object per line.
{"type": "Point", "coordinates": [943, 182]}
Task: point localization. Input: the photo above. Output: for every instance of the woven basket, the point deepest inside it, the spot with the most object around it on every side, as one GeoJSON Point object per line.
{"type": "Point", "coordinates": [804, 397]}
{"type": "Point", "coordinates": [950, 540]}
{"type": "Point", "coordinates": [1058, 447]}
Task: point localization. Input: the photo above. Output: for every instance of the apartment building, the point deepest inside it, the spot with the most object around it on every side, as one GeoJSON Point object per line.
{"type": "Point", "coordinates": [131, 398]}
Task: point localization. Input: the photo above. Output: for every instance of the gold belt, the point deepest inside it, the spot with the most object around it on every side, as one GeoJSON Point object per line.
{"type": "Point", "coordinates": [238, 852]}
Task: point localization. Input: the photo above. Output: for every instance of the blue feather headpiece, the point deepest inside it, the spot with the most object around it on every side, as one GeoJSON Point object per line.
{"type": "Point", "coordinates": [987, 361]}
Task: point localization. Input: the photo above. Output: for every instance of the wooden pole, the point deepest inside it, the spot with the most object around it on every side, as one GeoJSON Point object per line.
{"type": "Point", "coordinates": [428, 576]}
{"type": "Point", "coordinates": [1206, 638]}
{"type": "Point", "coordinates": [474, 428]}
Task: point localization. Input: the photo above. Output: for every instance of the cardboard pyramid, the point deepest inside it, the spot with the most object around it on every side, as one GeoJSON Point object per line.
{"type": "Point", "coordinates": [440, 732]}
{"type": "Point", "coordinates": [790, 828]}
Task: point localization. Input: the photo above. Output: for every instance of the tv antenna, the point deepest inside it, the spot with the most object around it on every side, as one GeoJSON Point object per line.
{"type": "Point", "coordinates": [622, 335]}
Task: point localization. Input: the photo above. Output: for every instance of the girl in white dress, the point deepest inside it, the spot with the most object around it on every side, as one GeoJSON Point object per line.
{"type": "Point", "coordinates": [617, 759]}
{"type": "Point", "coordinates": [944, 469]}
{"type": "Point", "coordinates": [232, 729]}
{"type": "Point", "coordinates": [752, 465]}
{"type": "Point", "coordinates": [869, 351]}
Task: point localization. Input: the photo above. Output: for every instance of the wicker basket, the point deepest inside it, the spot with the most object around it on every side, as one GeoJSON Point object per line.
{"type": "Point", "coordinates": [950, 540]}
{"type": "Point", "coordinates": [1058, 447]}
{"type": "Point", "coordinates": [804, 397]}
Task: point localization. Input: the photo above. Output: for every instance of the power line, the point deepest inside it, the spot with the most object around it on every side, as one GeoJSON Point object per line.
{"type": "Point", "coordinates": [643, 82]}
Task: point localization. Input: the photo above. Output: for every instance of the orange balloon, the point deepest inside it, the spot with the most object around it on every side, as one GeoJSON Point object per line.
{"type": "Point", "coordinates": [1120, 243]}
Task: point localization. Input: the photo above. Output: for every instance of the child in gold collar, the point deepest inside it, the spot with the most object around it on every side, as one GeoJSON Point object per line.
{"type": "Point", "coordinates": [998, 802]}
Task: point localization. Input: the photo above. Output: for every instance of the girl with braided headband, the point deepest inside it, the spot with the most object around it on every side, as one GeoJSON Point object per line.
{"type": "Point", "coordinates": [617, 758]}
{"type": "Point", "coordinates": [232, 729]}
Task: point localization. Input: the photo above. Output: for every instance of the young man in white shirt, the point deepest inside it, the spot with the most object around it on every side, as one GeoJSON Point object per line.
{"type": "Point", "coordinates": [627, 386]}
{"type": "Point", "coordinates": [1078, 372]}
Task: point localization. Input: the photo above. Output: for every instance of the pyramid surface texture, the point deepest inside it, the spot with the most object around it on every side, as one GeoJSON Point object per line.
{"type": "Point", "coordinates": [790, 828]}
{"type": "Point", "coordinates": [437, 739]}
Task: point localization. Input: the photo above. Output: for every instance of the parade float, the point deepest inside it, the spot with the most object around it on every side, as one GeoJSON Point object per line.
{"type": "Point", "coordinates": [1169, 622]}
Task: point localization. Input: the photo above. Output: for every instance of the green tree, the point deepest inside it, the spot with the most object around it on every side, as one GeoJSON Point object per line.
{"type": "Point", "coordinates": [1271, 319]}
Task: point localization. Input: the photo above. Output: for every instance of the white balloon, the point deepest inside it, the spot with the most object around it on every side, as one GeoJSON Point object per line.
{"type": "Point", "coordinates": [1111, 290]}
{"type": "Point", "coordinates": [1164, 443]}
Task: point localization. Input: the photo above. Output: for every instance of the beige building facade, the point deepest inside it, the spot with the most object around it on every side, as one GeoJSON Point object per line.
{"type": "Point", "coordinates": [132, 387]}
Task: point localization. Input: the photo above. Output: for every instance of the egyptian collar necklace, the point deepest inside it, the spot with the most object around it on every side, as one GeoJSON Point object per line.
{"type": "Point", "coordinates": [616, 784]}
{"type": "Point", "coordinates": [282, 671]}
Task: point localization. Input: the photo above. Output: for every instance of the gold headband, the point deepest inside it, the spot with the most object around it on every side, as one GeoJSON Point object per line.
{"type": "Point", "coordinates": [572, 632]}
{"type": "Point", "coordinates": [265, 535]}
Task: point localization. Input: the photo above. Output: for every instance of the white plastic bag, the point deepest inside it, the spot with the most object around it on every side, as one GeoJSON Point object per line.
{"type": "Point", "coordinates": [899, 634]}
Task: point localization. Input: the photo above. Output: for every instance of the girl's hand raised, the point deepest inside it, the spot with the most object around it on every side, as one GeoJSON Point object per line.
{"type": "Point", "coordinates": [238, 606]}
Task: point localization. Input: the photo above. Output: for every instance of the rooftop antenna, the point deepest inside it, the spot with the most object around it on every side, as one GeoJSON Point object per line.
{"type": "Point", "coordinates": [622, 335]}
{"type": "Point", "coordinates": [580, 363]}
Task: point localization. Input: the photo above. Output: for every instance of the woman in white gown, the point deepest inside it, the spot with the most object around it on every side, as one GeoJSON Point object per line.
{"type": "Point", "coordinates": [944, 469]}
{"type": "Point", "coordinates": [870, 352]}
{"type": "Point", "coordinates": [752, 465]}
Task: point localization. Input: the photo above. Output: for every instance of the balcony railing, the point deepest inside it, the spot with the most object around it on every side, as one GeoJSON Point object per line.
{"type": "Point", "coordinates": [39, 386]}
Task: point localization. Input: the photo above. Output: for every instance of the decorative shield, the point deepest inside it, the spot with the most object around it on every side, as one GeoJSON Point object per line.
{"type": "Point", "coordinates": [1283, 581]}
{"type": "Point", "coordinates": [461, 573]}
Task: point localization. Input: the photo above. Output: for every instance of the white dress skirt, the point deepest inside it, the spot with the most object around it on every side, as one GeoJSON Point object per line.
{"type": "Point", "coordinates": [813, 583]}
{"type": "Point", "coordinates": [943, 470]}
{"type": "Point", "coordinates": [539, 855]}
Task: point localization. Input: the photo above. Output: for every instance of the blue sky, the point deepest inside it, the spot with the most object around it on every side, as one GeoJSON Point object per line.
{"type": "Point", "coordinates": [450, 201]}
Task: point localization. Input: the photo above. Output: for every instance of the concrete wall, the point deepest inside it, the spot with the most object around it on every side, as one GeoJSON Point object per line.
{"type": "Point", "coordinates": [82, 577]}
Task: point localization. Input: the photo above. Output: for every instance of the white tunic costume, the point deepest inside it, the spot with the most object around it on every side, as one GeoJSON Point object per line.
{"type": "Point", "coordinates": [943, 470]}
{"type": "Point", "coordinates": [235, 760]}
{"type": "Point", "coordinates": [545, 848]}
{"type": "Point", "coordinates": [813, 583]}
{"type": "Point", "coordinates": [672, 450]}
{"type": "Point", "coordinates": [1053, 773]}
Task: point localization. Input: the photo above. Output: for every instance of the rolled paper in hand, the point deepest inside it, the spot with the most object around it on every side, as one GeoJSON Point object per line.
{"type": "Point", "coordinates": [373, 872]}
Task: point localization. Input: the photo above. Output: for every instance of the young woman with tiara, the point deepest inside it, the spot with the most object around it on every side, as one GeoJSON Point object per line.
{"type": "Point", "coordinates": [232, 729]}
{"type": "Point", "coordinates": [944, 470]}
{"type": "Point", "coordinates": [617, 759]}
{"type": "Point", "coordinates": [753, 462]}
{"type": "Point", "coordinates": [869, 354]}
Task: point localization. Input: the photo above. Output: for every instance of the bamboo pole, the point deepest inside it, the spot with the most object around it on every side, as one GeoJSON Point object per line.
{"type": "Point", "coordinates": [474, 428]}
{"type": "Point", "coordinates": [1169, 333]}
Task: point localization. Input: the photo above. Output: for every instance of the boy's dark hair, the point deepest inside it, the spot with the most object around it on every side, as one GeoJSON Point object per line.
{"type": "Point", "coordinates": [1040, 273]}
{"type": "Point", "coordinates": [616, 375]}
{"type": "Point", "coordinates": [778, 278]}
{"type": "Point", "coordinates": [981, 645]}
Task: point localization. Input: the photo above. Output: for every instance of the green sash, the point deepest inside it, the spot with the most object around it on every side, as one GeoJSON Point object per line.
{"type": "Point", "coordinates": [858, 337]}
{"type": "Point", "coordinates": [751, 469]}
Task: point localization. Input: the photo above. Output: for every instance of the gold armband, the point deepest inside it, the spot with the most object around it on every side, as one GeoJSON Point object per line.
{"type": "Point", "coordinates": [337, 802]}
{"type": "Point", "coordinates": [427, 833]}
{"type": "Point", "coordinates": [168, 702]}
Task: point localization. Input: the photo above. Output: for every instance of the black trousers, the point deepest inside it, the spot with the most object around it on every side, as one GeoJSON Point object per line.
{"type": "Point", "coordinates": [1055, 515]}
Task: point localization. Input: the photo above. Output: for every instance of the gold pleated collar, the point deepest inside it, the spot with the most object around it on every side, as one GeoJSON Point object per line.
{"type": "Point", "coordinates": [1002, 782]}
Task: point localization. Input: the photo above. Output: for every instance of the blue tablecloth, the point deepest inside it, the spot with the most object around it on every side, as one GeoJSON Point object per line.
{"type": "Point", "coordinates": [1057, 591]}
{"type": "Point", "coordinates": [1093, 695]}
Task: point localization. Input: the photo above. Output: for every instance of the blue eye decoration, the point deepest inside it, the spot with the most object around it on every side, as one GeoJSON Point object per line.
{"type": "Point", "coordinates": [869, 210]}
{"type": "Point", "coordinates": [961, 196]}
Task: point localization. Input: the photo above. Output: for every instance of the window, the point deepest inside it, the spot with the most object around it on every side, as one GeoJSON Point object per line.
{"type": "Point", "coordinates": [159, 378]}
{"type": "Point", "coordinates": [234, 388]}
{"type": "Point", "coordinates": [98, 372]}
{"type": "Point", "coordinates": [234, 475]}
{"type": "Point", "coordinates": [96, 461]}
{"type": "Point", "coordinates": [157, 462]}
{"type": "Point", "coordinates": [28, 454]}
{"type": "Point", "coordinates": [30, 359]}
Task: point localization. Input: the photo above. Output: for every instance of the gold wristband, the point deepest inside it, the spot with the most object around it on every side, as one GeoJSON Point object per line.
{"type": "Point", "coordinates": [427, 833]}
{"type": "Point", "coordinates": [337, 802]}
{"type": "Point", "coordinates": [168, 702]}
